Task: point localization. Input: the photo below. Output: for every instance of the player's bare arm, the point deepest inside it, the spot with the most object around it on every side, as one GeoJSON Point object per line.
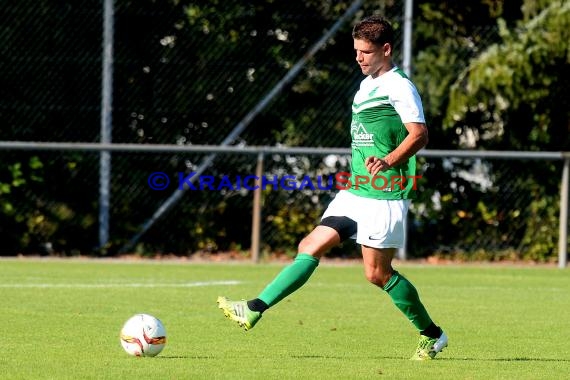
{"type": "Point", "coordinates": [416, 139]}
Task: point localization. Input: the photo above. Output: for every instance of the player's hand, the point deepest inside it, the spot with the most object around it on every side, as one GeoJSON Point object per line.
{"type": "Point", "coordinates": [375, 165]}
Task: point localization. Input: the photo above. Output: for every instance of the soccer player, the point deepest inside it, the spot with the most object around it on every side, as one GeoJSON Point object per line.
{"type": "Point", "coordinates": [387, 129]}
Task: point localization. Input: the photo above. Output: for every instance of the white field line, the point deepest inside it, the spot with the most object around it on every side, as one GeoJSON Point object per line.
{"type": "Point", "coordinates": [123, 285]}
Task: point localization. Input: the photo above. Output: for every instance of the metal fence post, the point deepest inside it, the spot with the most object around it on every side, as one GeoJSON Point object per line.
{"type": "Point", "coordinates": [256, 212]}
{"type": "Point", "coordinates": [106, 122]}
{"type": "Point", "coordinates": [407, 43]}
{"type": "Point", "coordinates": [563, 220]}
{"type": "Point", "coordinates": [402, 253]}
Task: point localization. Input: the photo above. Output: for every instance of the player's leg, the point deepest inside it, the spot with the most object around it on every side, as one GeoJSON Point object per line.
{"type": "Point", "coordinates": [381, 231]}
{"type": "Point", "coordinates": [328, 234]}
{"type": "Point", "coordinates": [293, 276]}
{"type": "Point", "coordinates": [379, 271]}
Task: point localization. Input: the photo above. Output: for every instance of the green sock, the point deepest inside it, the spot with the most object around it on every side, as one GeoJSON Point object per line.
{"type": "Point", "coordinates": [291, 278]}
{"type": "Point", "coordinates": [406, 298]}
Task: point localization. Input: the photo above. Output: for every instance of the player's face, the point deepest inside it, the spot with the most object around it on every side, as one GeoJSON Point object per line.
{"type": "Point", "coordinates": [372, 59]}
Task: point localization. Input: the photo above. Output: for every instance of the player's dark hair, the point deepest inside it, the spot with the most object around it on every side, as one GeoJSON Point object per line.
{"type": "Point", "coordinates": [375, 29]}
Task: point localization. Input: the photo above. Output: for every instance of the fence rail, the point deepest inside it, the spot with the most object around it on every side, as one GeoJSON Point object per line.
{"type": "Point", "coordinates": [201, 148]}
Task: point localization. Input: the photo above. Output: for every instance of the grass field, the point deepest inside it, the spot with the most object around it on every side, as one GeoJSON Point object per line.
{"type": "Point", "coordinates": [61, 320]}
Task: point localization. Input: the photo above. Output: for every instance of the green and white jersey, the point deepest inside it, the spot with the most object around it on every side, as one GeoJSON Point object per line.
{"type": "Point", "coordinates": [380, 108]}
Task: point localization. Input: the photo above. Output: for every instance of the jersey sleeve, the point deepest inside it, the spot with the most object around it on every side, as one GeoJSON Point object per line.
{"type": "Point", "coordinates": [407, 102]}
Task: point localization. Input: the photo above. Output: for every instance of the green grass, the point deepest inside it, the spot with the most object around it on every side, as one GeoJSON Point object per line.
{"type": "Point", "coordinates": [61, 320]}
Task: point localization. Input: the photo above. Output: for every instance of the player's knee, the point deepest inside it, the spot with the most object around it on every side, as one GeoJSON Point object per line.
{"type": "Point", "coordinates": [378, 277]}
{"type": "Point", "coordinates": [309, 246]}
{"type": "Point", "coordinates": [373, 278]}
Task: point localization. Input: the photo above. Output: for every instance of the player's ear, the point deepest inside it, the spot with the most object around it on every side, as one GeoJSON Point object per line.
{"type": "Point", "coordinates": [387, 49]}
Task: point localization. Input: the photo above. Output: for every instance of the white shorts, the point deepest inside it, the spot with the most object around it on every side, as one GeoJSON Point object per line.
{"type": "Point", "coordinates": [380, 222]}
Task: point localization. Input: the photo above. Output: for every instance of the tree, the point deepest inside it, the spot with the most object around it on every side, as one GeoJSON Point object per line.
{"type": "Point", "coordinates": [509, 96]}
{"type": "Point", "coordinates": [517, 87]}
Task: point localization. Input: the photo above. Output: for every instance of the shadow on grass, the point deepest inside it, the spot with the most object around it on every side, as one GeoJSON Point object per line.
{"type": "Point", "coordinates": [508, 359]}
{"type": "Point", "coordinates": [184, 357]}
{"type": "Point", "coordinates": [439, 358]}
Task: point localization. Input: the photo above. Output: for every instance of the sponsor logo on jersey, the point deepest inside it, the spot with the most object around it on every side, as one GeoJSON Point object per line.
{"type": "Point", "coordinates": [360, 136]}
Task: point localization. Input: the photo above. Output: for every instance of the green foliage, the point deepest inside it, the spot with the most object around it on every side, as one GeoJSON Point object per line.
{"type": "Point", "coordinates": [524, 75]}
{"type": "Point", "coordinates": [493, 74]}
{"type": "Point", "coordinates": [15, 179]}
{"type": "Point", "coordinates": [504, 91]}
{"type": "Point", "coordinates": [541, 234]}
{"type": "Point", "coordinates": [447, 35]}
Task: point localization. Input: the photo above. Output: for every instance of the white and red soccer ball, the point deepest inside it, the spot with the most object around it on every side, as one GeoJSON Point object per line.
{"type": "Point", "coordinates": [143, 335]}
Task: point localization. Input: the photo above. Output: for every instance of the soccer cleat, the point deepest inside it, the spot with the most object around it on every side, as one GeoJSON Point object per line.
{"type": "Point", "coordinates": [429, 347]}
{"type": "Point", "coordinates": [239, 312]}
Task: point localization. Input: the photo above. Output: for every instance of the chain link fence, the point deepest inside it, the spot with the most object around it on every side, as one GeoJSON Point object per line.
{"type": "Point", "coordinates": [467, 207]}
{"type": "Point", "coordinates": [187, 74]}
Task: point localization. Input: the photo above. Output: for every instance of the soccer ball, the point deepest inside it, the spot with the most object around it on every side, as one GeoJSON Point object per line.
{"type": "Point", "coordinates": [143, 335]}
